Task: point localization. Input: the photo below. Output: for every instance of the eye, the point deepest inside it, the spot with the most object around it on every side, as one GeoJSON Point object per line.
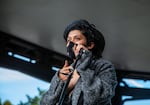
{"type": "Point", "coordinates": [77, 38]}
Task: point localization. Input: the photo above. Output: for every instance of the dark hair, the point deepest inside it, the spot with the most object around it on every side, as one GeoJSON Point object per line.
{"type": "Point", "coordinates": [91, 34]}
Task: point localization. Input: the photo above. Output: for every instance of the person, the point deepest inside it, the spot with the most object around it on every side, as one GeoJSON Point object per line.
{"type": "Point", "coordinates": [93, 79]}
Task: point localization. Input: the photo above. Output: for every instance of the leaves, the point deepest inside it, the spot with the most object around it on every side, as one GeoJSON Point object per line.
{"type": "Point", "coordinates": [31, 100]}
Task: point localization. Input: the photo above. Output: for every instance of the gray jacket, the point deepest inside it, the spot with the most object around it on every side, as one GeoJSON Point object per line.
{"type": "Point", "coordinates": [96, 85]}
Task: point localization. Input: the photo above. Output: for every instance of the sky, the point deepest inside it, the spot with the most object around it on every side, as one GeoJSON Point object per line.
{"type": "Point", "coordinates": [15, 86]}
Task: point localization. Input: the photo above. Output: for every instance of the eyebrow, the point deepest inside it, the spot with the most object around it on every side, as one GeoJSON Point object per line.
{"type": "Point", "coordinates": [74, 36]}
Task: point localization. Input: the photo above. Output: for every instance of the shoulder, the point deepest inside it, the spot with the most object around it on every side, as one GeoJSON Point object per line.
{"type": "Point", "coordinates": [102, 63]}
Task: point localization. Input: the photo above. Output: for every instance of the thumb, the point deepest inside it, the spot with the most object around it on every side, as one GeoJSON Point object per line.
{"type": "Point", "coordinates": [66, 63]}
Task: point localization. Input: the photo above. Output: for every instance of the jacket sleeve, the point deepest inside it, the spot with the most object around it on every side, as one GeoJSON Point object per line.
{"type": "Point", "coordinates": [99, 83]}
{"type": "Point", "coordinates": [51, 97]}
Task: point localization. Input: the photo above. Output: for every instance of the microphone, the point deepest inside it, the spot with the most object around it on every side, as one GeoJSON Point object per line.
{"type": "Point", "coordinates": [80, 53]}
{"type": "Point", "coordinates": [70, 53]}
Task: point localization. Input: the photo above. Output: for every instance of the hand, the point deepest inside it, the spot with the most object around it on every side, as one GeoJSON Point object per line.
{"type": "Point", "coordinates": [63, 73]}
{"type": "Point", "coordinates": [73, 80]}
{"type": "Point", "coordinates": [78, 47]}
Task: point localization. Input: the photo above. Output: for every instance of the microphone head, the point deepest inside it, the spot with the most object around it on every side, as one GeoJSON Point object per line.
{"type": "Point", "coordinates": [70, 52]}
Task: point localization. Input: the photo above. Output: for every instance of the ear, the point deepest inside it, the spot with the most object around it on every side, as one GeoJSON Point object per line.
{"type": "Point", "coordinates": [91, 45]}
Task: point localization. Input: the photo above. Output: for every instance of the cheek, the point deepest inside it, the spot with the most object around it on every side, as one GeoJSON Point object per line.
{"type": "Point", "coordinates": [84, 43]}
{"type": "Point", "coordinates": [81, 42]}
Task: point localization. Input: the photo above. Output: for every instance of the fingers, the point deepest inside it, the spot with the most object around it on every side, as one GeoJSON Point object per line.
{"type": "Point", "coordinates": [63, 73]}
{"type": "Point", "coordinates": [66, 63]}
{"type": "Point", "coordinates": [65, 70]}
{"type": "Point", "coordinates": [77, 48]}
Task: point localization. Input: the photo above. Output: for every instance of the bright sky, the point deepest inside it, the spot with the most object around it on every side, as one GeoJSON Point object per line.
{"type": "Point", "coordinates": [15, 86]}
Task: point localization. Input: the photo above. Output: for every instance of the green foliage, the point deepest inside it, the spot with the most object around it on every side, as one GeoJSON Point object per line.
{"type": "Point", "coordinates": [31, 100]}
{"type": "Point", "coordinates": [0, 102]}
{"type": "Point", "coordinates": [6, 102]}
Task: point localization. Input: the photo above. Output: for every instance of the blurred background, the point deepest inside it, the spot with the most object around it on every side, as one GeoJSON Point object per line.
{"type": "Point", "coordinates": [32, 47]}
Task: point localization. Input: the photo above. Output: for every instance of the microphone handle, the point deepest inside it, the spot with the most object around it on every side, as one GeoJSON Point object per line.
{"type": "Point", "coordinates": [80, 53]}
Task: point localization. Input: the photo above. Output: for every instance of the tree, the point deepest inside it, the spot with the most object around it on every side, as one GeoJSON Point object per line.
{"type": "Point", "coordinates": [31, 100]}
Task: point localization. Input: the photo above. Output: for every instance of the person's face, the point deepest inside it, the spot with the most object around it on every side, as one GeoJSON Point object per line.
{"type": "Point", "coordinates": [79, 40]}
{"type": "Point", "coordinates": [76, 37]}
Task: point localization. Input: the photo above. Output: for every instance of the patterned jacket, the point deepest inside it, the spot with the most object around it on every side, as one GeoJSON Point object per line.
{"type": "Point", "coordinates": [96, 85]}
